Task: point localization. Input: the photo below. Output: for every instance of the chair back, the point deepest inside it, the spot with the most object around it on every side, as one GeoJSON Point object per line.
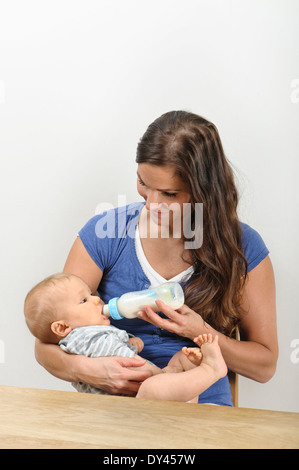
{"type": "Point", "coordinates": [234, 379]}
{"type": "Point", "coordinates": [234, 386]}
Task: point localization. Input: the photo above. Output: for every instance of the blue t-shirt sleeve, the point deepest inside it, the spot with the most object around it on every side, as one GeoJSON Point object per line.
{"type": "Point", "coordinates": [254, 246]}
{"type": "Point", "coordinates": [97, 247]}
{"type": "Point", "coordinates": [104, 235]}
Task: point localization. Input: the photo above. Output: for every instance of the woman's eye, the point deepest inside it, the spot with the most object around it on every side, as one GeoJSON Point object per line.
{"type": "Point", "coordinates": [141, 182]}
{"type": "Point", "coordinates": [167, 194]}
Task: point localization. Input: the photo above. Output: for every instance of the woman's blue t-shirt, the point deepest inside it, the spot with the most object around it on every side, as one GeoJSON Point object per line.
{"type": "Point", "coordinates": [109, 238]}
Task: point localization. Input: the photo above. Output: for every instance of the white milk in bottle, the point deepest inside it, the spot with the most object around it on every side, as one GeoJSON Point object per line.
{"type": "Point", "coordinates": [128, 305]}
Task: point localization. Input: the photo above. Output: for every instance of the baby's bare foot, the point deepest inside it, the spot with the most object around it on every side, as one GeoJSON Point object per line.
{"type": "Point", "coordinates": [211, 354]}
{"type": "Point", "coordinates": [193, 354]}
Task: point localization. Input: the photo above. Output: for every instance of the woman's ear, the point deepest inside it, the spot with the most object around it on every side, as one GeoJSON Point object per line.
{"type": "Point", "coordinates": [60, 328]}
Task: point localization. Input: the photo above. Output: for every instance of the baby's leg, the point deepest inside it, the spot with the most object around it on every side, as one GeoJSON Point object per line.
{"type": "Point", "coordinates": [193, 355]}
{"type": "Point", "coordinates": [183, 360]}
{"type": "Point", "coordinates": [184, 386]}
{"type": "Point", "coordinates": [212, 358]}
{"type": "Point", "coordinates": [147, 366]}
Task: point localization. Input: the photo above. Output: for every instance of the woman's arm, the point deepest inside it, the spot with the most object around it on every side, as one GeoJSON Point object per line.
{"type": "Point", "coordinates": [80, 263]}
{"type": "Point", "coordinates": [111, 374]}
{"type": "Point", "coordinates": [255, 356]}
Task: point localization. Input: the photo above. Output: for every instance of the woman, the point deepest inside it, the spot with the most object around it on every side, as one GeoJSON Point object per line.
{"type": "Point", "coordinates": [227, 278]}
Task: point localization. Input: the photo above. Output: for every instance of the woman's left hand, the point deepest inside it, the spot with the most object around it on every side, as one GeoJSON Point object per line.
{"type": "Point", "coordinates": [184, 321]}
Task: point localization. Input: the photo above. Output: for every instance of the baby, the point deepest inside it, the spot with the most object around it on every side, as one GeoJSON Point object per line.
{"type": "Point", "coordinates": [62, 310]}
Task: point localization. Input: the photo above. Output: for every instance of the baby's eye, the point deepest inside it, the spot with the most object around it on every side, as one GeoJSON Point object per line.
{"type": "Point", "coordinates": [83, 301]}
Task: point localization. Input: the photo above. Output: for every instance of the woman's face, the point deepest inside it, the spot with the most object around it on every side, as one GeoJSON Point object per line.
{"type": "Point", "coordinates": [163, 191]}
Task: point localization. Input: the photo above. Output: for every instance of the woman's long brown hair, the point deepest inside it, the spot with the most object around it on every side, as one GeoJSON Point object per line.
{"type": "Point", "coordinates": [192, 145]}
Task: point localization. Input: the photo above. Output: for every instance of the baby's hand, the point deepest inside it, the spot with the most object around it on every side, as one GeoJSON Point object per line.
{"type": "Point", "coordinates": [137, 342]}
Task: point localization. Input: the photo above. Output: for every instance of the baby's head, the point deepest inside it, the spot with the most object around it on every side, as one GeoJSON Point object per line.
{"type": "Point", "coordinates": [60, 303]}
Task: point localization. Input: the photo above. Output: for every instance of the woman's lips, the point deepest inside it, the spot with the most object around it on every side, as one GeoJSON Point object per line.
{"type": "Point", "coordinates": [159, 214]}
{"type": "Point", "coordinates": [159, 211]}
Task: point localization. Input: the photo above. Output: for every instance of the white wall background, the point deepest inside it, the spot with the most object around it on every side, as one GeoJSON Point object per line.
{"type": "Point", "coordinates": [79, 83]}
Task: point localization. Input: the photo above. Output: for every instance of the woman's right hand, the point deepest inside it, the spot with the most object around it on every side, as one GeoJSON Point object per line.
{"type": "Point", "coordinates": [183, 322]}
{"type": "Point", "coordinates": [112, 374]}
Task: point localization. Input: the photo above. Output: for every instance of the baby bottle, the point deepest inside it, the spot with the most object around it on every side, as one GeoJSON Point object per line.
{"type": "Point", "coordinates": [128, 305]}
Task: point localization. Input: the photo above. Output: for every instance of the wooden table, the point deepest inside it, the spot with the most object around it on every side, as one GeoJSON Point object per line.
{"type": "Point", "coordinates": [32, 418]}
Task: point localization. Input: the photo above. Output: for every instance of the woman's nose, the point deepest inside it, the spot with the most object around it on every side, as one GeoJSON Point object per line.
{"type": "Point", "coordinates": [153, 200]}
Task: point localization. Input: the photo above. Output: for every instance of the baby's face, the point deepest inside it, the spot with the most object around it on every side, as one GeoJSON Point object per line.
{"type": "Point", "coordinates": [79, 306]}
